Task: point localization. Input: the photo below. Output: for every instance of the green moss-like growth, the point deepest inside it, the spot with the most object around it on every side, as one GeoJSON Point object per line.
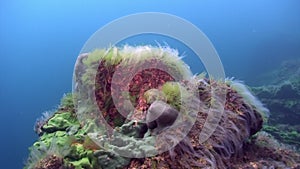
{"type": "Point", "coordinates": [66, 102]}
{"type": "Point", "coordinates": [172, 92]}
{"type": "Point", "coordinates": [133, 55]}
{"type": "Point", "coordinates": [282, 100]}
{"type": "Point", "coordinates": [60, 121]}
{"type": "Point", "coordinates": [63, 137]}
{"type": "Point", "coordinates": [81, 158]}
{"type": "Point", "coordinates": [94, 57]}
{"type": "Point", "coordinates": [83, 163]}
{"type": "Point", "coordinates": [115, 148]}
{"type": "Point", "coordinates": [154, 94]}
{"type": "Point", "coordinates": [111, 57]}
{"type": "Point", "coordinates": [284, 133]}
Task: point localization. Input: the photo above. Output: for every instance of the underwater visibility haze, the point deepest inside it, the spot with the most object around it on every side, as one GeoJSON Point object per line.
{"type": "Point", "coordinates": [42, 61]}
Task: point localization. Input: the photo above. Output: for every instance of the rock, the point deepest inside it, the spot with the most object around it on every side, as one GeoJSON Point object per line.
{"type": "Point", "coordinates": [160, 115]}
{"type": "Point", "coordinates": [121, 145]}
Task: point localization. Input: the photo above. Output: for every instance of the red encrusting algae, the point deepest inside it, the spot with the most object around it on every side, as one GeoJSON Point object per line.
{"type": "Point", "coordinates": [152, 78]}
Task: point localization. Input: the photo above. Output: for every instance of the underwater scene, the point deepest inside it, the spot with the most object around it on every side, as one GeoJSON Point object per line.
{"type": "Point", "coordinates": [150, 84]}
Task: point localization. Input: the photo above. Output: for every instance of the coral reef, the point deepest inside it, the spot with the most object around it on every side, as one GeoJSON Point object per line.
{"type": "Point", "coordinates": [282, 97]}
{"type": "Point", "coordinates": [240, 120]}
{"type": "Point", "coordinates": [122, 87]}
{"type": "Point", "coordinates": [63, 142]}
{"type": "Point", "coordinates": [282, 100]}
{"type": "Point", "coordinates": [285, 133]}
{"type": "Point", "coordinates": [264, 151]}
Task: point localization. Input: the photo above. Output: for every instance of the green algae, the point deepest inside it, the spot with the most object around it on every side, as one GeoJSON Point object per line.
{"type": "Point", "coordinates": [60, 121]}
{"type": "Point", "coordinates": [65, 129]}
{"type": "Point", "coordinates": [153, 95]}
{"type": "Point", "coordinates": [83, 163]}
{"type": "Point", "coordinates": [172, 92]}
{"type": "Point", "coordinates": [63, 136]}
{"type": "Point", "coordinates": [284, 134]}
{"type": "Point", "coordinates": [81, 158]}
{"type": "Point", "coordinates": [67, 102]}
{"type": "Point", "coordinates": [93, 57]}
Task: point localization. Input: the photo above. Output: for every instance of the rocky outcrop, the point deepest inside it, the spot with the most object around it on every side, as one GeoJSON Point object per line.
{"type": "Point", "coordinates": [219, 134]}
{"type": "Point", "coordinates": [282, 97]}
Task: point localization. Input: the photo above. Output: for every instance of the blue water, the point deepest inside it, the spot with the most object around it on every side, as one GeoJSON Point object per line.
{"type": "Point", "coordinates": [40, 41]}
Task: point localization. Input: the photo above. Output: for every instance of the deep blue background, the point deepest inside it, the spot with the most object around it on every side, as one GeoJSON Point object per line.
{"type": "Point", "coordinates": [40, 40]}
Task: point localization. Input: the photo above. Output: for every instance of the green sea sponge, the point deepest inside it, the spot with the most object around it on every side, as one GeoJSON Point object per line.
{"type": "Point", "coordinates": [82, 158]}
{"type": "Point", "coordinates": [44, 156]}
{"type": "Point", "coordinates": [83, 163]}
{"type": "Point", "coordinates": [60, 121]}
{"type": "Point", "coordinates": [110, 160]}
